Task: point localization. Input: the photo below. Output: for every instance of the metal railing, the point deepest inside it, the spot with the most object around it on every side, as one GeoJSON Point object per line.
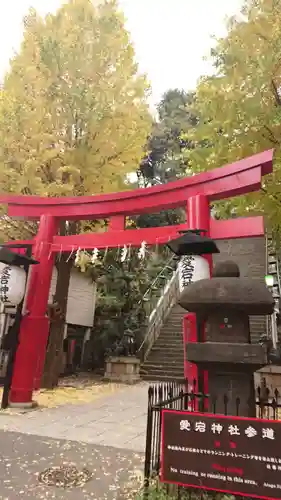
{"type": "Point", "coordinates": [159, 309]}
{"type": "Point", "coordinates": [156, 289]}
{"type": "Point", "coordinates": [272, 268]}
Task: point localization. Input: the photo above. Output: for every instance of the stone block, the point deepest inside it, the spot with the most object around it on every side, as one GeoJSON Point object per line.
{"type": "Point", "coordinates": [124, 369]}
{"type": "Point", "coordinates": [227, 354]}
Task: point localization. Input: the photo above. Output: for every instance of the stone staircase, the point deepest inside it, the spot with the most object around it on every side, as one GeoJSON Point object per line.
{"type": "Point", "coordinates": [165, 359]}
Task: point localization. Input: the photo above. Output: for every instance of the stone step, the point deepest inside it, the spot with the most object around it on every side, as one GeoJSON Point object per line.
{"type": "Point", "coordinates": [169, 370]}
{"type": "Point", "coordinates": [165, 362]}
{"type": "Point", "coordinates": [172, 329]}
{"type": "Point", "coordinates": [161, 363]}
{"type": "Point", "coordinates": [177, 328]}
{"type": "Point", "coordinates": [170, 341]}
{"type": "Point", "coordinates": [173, 326]}
{"type": "Point", "coordinates": [174, 352]}
{"type": "Point", "coordinates": [175, 361]}
{"type": "Point", "coordinates": [175, 318]}
{"type": "Point", "coordinates": [172, 335]}
{"type": "Point", "coordinates": [168, 344]}
{"type": "Point", "coordinates": [161, 378]}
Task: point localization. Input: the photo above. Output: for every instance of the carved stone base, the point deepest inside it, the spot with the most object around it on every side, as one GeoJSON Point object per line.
{"type": "Point", "coordinates": [272, 376]}
{"type": "Point", "coordinates": [231, 393]}
{"type": "Point", "coordinates": [124, 369]}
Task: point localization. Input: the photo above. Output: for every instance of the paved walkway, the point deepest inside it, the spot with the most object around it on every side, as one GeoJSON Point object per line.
{"type": "Point", "coordinates": [23, 458]}
{"type": "Point", "coordinates": [117, 420]}
{"type": "Point", "coordinates": [106, 436]}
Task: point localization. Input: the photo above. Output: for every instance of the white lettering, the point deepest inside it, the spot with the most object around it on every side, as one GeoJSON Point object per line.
{"type": "Point", "coordinates": [268, 433]}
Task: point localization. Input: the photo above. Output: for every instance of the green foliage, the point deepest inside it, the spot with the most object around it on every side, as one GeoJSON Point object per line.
{"type": "Point", "coordinates": [239, 107]}
{"type": "Point", "coordinates": [120, 306]}
{"type": "Point", "coordinates": [165, 161]}
{"type": "Point", "coordinates": [158, 491]}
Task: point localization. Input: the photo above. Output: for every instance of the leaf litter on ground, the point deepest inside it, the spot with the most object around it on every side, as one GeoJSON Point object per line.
{"type": "Point", "coordinates": [83, 388]}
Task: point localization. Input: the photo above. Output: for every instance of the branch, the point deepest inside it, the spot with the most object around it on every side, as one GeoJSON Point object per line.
{"type": "Point", "coordinates": [262, 36]}
{"type": "Point", "coordinates": [270, 194]}
{"type": "Point", "coordinates": [275, 92]}
{"type": "Point", "coordinates": [271, 137]}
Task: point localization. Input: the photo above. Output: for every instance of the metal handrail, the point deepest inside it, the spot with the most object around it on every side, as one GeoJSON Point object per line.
{"type": "Point", "coordinates": [148, 294]}
{"type": "Point", "coordinates": [159, 275]}
{"type": "Point", "coordinates": [159, 314]}
{"type": "Point", "coordinates": [271, 323]}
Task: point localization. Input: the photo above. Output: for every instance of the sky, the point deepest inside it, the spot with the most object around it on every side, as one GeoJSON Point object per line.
{"type": "Point", "coordinates": [171, 37]}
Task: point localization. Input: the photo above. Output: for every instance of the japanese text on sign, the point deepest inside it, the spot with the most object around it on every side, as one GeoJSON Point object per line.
{"type": "Point", "coordinates": [228, 454]}
{"type": "Point", "coordinates": [233, 430]}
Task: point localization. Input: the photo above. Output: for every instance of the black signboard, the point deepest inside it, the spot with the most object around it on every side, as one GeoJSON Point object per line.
{"type": "Point", "coordinates": [235, 455]}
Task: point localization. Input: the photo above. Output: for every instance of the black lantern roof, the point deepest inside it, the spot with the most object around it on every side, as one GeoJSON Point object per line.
{"type": "Point", "coordinates": [14, 259]}
{"type": "Point", "coordinates": [192, 243]}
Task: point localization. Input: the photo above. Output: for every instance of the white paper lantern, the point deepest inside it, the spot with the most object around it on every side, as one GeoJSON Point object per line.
{"type": "Point", "coordinates": [192, 268]}
{"type": "Point", "coordinates": [12, 284]}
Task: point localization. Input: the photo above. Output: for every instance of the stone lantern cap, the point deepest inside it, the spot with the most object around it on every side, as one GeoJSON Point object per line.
{"type": "Point", "coordinates": [227, 290]}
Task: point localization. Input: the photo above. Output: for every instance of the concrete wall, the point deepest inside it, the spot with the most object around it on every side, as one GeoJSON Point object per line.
{"type": "Point", "coordinates": [81, 298]}
{"type": "Point", "coordinates": [249, 254]}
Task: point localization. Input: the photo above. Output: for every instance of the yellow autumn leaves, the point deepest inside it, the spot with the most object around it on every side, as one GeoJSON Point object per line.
{"type": "Point", "coordinates": [74, 117]}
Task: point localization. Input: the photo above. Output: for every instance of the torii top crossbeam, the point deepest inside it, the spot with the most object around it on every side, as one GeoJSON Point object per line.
{"type": "Point", "coordinates": [238, 178]}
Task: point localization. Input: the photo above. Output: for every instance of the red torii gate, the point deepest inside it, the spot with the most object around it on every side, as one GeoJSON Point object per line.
{"type": "Point", "coordinates": [194, 193]}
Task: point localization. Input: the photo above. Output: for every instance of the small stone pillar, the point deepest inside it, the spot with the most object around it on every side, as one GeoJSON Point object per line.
{"type": "Point", "coordinates": [125, 369]}
{"type": "Point", "coordinates": [223, 305]}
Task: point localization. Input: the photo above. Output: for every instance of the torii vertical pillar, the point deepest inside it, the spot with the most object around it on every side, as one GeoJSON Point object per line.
{"type": "Point", "coordinates": [197, 217]}
{"type": "Point", "coordinates": [34, 328]}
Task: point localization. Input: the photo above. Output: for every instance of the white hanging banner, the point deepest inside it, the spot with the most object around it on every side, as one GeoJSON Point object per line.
{"type": "Point", "coordinates": [192, 268]}
{"type": "Point", "coordinates": [12, 284]}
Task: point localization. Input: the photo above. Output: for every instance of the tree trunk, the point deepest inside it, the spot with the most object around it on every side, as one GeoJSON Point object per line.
{"type": "Point", "coordinates": [54, 354]}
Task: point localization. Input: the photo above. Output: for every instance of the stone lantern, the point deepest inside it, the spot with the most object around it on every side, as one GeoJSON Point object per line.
{"type": "Point", "coordinates": [222, 305]}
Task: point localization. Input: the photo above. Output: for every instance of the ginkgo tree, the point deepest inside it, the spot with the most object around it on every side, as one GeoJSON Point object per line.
{"type": "Point", "coordinates": [73, 111]}
{"type": "Point", "coordinates": [239, 106]}
{"type": "Point", "coordinates": [74, 117]}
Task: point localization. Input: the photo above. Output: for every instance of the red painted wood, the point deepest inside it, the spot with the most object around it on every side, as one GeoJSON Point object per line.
{"type": "Point", "coordinates": [145, 201]}
{"type": "Point", "coordinates": [117, 223]}
{"type": "Point", "coordinates": [30, 354]}
{"type": "Point", "coordinates": [34, 328]}
{"type": "Point", "coordinates": [198, 217]}
{"type": "Point", "coordinates": [244, 227]}
{"type": "Point", "coordinates": [189, 335]}
{"type": "Point", "coordinates": [238, 178]}
{"type": "Point", "coordinates": [263, 160]}
{"type": "Point", "coordinates": [234, 228]}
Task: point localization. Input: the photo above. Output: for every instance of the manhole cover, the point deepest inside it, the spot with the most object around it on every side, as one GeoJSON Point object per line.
{"type": "Point", "coordinates": [65, 476]}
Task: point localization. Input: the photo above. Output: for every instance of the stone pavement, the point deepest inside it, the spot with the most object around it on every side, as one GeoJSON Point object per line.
{"type": "Point", "coordinates": [106, 436]}
{"type": "Point", "coordinates": [117, 420]}
{"type": "Point", "coordinates": [23, 458]}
